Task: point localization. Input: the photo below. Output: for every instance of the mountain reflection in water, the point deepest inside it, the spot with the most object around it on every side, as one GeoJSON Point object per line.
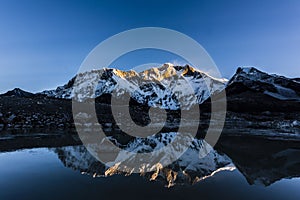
{"type": "Point", "coordinates": [262, 169]}
{"type": "Point", "coordinates": [261, 161]}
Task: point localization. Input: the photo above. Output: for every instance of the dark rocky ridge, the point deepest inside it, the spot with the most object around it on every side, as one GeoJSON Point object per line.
{"type": "Point", "coordinates": [17, 92]}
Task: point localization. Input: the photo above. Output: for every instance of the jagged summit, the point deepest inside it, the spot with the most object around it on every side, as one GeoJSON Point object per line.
{"type": "Point", "coordinates": [154, 86]}
{"type": "Point", "coordinates": [165, 71]}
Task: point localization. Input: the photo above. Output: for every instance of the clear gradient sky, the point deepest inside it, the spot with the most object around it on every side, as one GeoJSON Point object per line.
{"type": "Point", "coordinates": [42, 43]}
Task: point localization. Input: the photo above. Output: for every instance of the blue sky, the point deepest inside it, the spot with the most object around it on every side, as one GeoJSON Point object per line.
{"type": "Point", "coordinates": [42, 43]}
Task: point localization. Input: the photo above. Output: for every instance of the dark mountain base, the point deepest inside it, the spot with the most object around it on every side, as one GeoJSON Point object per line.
{"type": "Point", "coordinates": [244, 116]}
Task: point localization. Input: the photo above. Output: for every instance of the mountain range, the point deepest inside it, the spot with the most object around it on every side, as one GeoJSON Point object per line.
{"type": "Point", "coordinates": [156, 86]}
{"type": "Point", "coordinates": [258, 103]}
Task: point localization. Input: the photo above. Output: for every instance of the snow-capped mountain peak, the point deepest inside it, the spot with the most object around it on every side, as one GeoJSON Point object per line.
{"type": "Point", "coordinates": [155, 87]}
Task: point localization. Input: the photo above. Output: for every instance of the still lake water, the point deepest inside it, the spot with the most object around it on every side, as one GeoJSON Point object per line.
{"type": "Point", "coordinates": [39, 174]}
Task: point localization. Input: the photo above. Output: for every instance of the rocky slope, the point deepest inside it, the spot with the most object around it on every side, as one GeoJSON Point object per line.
{"type": "Point", "coordinates": [275, 86]}
{"type": "Point", "coordinates": [23, 114]}
{"type": "Point", "coordinates": [251, 90]}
